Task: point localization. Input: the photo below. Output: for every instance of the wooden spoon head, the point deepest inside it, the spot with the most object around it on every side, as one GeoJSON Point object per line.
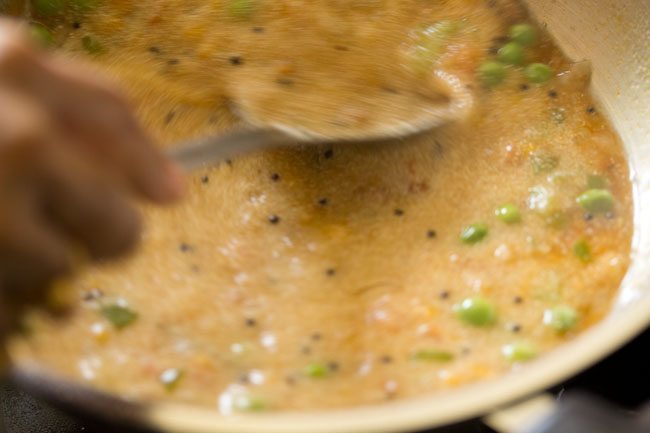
{"type": "Point", "coordinates": [313, 115]}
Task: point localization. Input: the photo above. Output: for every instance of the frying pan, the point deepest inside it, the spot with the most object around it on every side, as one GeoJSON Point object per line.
{"type": "Point", "coordinates": [615, 36]}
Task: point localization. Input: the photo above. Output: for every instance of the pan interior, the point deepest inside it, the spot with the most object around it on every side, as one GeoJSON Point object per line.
{"type": "Point", "coordinates": [623, 93]}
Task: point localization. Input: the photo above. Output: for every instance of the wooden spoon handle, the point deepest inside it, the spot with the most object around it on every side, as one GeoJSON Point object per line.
{"type": "Point", "coordinates": [214, 150]}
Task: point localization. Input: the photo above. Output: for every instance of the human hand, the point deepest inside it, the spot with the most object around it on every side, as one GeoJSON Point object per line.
{"type": "Point", "coordinates": [71, 159]}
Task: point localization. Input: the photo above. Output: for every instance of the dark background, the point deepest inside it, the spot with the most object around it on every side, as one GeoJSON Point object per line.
{"type": "Point", "coordinates": [623, 379]}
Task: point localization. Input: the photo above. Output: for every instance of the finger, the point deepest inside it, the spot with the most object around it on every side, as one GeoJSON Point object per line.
{"type": "Point", "coordinates": [20, 126]}
{"type": "Point", "coordinates": [32, 254]}
{"type": "Point", "coordinates": [9, 317]}
{"type": "Point", "coordinates": [93, 113]}
{"type": "Point", "coordinates": [107, 129]}
{"type": "Point", "coordinates": [72, 192]}
{"type": "Point", "coordinates": [86, 206]}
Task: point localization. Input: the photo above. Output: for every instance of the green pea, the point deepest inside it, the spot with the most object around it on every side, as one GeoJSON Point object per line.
{"type": "Point", "coordinates": [476, 312]}
{"type": "Point", "coordinates": [524, 34]}
{"type": "Point", "coordinates": [474, 233]}
{"type": "Point", "coordinates": [41, 35]}
{"type": "Point", "coordinates": [247, 403]}
{"type": "Point", "coordinates": [519, 352]}
{"type": "Point", "coordinates": [241, 9]}
{"type": "Point", "coordinates": [538, 73]}
{"type": "Point", "coordinates": [595, 181]}
{"type": "Point", "coordinates": [511, 53]}
{"type": "Point", "coordinates": [317, 370]}
{"type": "Point", "coordinates": [92, 45]}
{"type": "Point", "coordinates": [596, 201]}
{"type": "Point", "coordinates": [561, 318]}
{"type": "Point", "coordinates": [171, 378]}
{"type": "Point", "coordinates": [120, 316]}
{"type": "Point", "coordinates": [492, 73]}
{"type": "Point", "coordinates": [48, 7]}
{"type": "Point", "coordinates": [433, 355]}
{"type": "Point", "coordinates": [508, 213]}
{"type": "Point", "coordinates": [582, 251]}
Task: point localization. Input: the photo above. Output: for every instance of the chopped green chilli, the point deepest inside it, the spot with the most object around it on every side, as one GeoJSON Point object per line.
{"type": "Point", "coordinates": [92, 45]}
{"type": "Point", "coordinates": [48, 7]}
{"type": "Point", "coordinates": [544, 162]}
{"type": "Point", "coordinates": [508, 213]}
{"type": "Point", "coordinates": [596, 201]}
{"type": "Point", "coordinates": [317, 370]}
{"type": "Point", "coordinates": [476, 312]}
{"type": "Point", "coordinates": [558, 115]}
{"type": "Point", "coordinates": [433, 355]}
{"type": "Point", "coordinates": [244, 348]}
{"type": "Point", "coordinates": [83, 5]}
{"type": "Point", "coordinates": [171, 378]}
{"type": "Point", "coordinates": [582, 250]}
{"type": "Point", "coordinates": [595, 181]}
{"type": "Point", "coordinates": [120, 316]}
{"type": "Point", "coordinates": [247, 403]}
{"type": "Point", "coordinates": [560, 178]}
{"type": "Point", "coordinates": [41, 35]}
{"type": "Point", "coordinates": [474, 233]}
{"type": "Point", "coordinates": [557, 219]}
{"type": "Point", "coordinates": [519, 352]}
{"type": "Point", "coordinates": [561, 318]}
{"type": "Point", "coordinates": [241, 9]}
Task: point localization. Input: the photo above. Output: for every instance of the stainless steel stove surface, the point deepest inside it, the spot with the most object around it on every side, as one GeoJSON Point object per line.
{"type": "Point", "coordinates": [623, 379]}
